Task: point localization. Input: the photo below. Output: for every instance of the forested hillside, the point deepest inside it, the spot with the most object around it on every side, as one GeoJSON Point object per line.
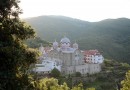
{"type": "Point", "coordinates": [110, 36]}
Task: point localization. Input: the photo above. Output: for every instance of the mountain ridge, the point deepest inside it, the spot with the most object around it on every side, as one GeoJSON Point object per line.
{"type": "Point", "coordinates": [110, 36]}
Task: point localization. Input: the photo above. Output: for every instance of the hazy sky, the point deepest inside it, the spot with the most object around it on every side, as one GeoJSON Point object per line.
{"type": "Point", "coordinates": [89, 10]}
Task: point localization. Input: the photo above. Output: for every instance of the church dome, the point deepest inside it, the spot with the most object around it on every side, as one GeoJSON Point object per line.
{"type": "Point", "coordinates": [65, 40]}
{"type": "Point", "coordinates": [65, 43]}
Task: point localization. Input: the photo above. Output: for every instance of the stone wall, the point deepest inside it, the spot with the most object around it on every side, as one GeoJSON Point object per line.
{"type": "Point", "coordinates": [83, 69]}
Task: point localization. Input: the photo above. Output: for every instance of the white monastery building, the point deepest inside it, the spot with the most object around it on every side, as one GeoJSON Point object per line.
{"type": "Point", "coordinates": [68, 59]}
{"type": "Point", "coordinates": [46, 66]}
{"type": "Point", "coordinates": [93, 56]}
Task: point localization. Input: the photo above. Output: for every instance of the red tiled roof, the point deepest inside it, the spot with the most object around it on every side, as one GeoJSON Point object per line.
{"type": "Point", "coordinates": [91, 52]}
{"type": "Point", "coordinates": [47, 49]}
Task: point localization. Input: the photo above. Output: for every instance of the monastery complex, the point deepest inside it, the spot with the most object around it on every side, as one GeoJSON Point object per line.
{"type": "Point", "coordinates": [68, 59]}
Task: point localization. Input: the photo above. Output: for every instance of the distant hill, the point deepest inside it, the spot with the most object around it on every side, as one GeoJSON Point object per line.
{"type": "Point", "coordinates": [110, 36]}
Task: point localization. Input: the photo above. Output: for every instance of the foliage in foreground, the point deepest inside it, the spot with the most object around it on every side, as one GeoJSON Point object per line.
{"type": "Point", "coordinates": [15, 57]}
{"type": "Point", "coordinates": [52, 84]}
{"type": "Point", "coordinates": [126, 82]}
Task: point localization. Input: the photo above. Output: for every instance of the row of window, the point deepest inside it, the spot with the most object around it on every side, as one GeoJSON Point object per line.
{"type": "Point", "coordinates": [92, 55]}
{"type": "Point", "coordinates": [91, 59]}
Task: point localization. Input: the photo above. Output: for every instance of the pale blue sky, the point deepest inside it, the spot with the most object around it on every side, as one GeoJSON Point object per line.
{"type": "Point", "coordinates": [89, 10]}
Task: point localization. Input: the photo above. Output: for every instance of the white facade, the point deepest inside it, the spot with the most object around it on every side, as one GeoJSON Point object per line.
{"type": "Point", "coordinates": [46, 66]}
{"type": "Point", "coordinates": [93, 56]}
{"type": "Point", "coordinates": [97, 59]}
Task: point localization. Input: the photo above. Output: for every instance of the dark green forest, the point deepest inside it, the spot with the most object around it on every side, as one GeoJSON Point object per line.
{"type": "Point", "coordinates": [36, 42]}
{"type": "Point", "coordinates": [111, 36]}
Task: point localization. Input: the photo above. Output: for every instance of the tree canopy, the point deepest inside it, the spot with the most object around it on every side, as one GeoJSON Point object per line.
{"type": "Point", "coordinates": [126, 82]}
{"type": "Point", "coordinates": [52, 84]}
{"type": "Point", "coordinates": [36, 42]}
{"type": "Point", "coordinates": [15, 57]}
{"type": "Point", "coordinates": [55, 73]}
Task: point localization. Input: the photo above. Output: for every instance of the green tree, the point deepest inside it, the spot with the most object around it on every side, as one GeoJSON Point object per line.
{"type": "Point", "coordinates": [78, 87]}
{"type": "Point", "coordinates": [55, 73]}
{"type": "Point", "coordinates": [90, 89]}
{"type": "Point", "coordinates": [126, 82]}
{"type": "Point", "coordinates": [78, 74]}
{"type": "Point", "coordinates": [52, 84]}
{"type": "Point", "coordinates": [36, 42]}
{"type": "Point", "coordinates": [49, 84]}
{"type": "Point", "coordinates": [15, 57]}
